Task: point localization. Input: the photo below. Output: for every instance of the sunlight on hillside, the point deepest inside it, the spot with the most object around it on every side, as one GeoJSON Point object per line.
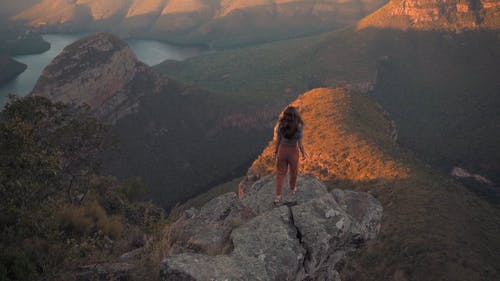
{"type": "Point", "coordinates": [341, 145]}
{"type": "Point", "coordinates": [101, 10]}
{"type": "Point", "coordinates": [432, 15]}
{"type": "Point", "coordinates": [144, 7]}
{"type": "Point", "coordinates": [184, 6]}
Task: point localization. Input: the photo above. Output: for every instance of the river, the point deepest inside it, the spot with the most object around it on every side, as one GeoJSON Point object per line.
{"type": "Point", "coordinates": [150, 52]}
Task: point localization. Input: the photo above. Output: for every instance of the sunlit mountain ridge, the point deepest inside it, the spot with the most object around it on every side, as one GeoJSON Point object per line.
{"type": "Point", "coordinates": [453, 15]}
{"type": "Point", "coordinates": [194, 21]}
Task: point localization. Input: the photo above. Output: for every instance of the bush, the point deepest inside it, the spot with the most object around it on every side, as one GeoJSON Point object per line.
{"type": "Point", "coordinates": [111, 227]}
{"type": "Point", "coordinates": [87, 220]}
{"type": "Point", "coordinates": [73, 221]}
{"type": "Point", "coordinates": [134, 189]}
{"type": "Point", "coordinates": [16, 267]}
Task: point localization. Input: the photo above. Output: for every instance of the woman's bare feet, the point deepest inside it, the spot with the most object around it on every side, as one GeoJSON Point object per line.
{"type": "Point", "coordinates": [277, 201]}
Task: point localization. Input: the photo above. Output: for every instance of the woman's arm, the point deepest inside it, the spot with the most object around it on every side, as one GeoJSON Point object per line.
{"type": "Point", "coordinates": [301, 147]}
{"type": "Point", "coordinates": [277, 134]}
{"type": "Point", "coordinates": [278, 141]}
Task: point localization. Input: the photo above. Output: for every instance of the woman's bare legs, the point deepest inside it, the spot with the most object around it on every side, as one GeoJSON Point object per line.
{"type": "Point", "coordinates": [282, 167]}
{"type": "Point", "coordinates": [288, 157]}
{"type": "Point", "coordinates": [293, 161]}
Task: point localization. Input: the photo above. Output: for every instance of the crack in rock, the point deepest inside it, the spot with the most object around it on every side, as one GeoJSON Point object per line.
{"type": "Point", "coordinates": [302, 272]}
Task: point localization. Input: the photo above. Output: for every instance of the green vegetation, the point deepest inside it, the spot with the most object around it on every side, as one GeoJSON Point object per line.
{"type": "Point", "coordinates": [9, 69]}
{"type": "Point", "coordinates": [15, 40]}
{"type": "Point", "coordinates": [439, 87]}
{"type": "Point", "coordinates": [259, 75]}
{"type": "Point", "coordinates": [433, 229]}
{"type": "Point", "coordinates": [201, 199]}
{"type": "Point", "coordinates": [444, 99]}
{"type": "Point", "coordinates": [186, 140]}
{"type": "Point", "coordinates": [57, 211]}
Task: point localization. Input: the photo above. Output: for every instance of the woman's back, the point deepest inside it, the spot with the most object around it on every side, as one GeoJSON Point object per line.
{"type": "Point", "coordinates": [290, 134]}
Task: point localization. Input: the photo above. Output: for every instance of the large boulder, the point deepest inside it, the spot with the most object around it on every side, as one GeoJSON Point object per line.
{"type": "Point", "coordinates": [301, 240]}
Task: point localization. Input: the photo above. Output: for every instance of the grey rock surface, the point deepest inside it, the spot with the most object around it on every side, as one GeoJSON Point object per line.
{"type": "Point", "coordinates": [301, 240]}
{"type": "Point", "coordinates": [207, 230]}
{"type": "Point", "coordinates": [106, 271]}
{"type": "Point", "coordinates": [266, 248]}
{"type": "Point", "coordinates": [364, 209]}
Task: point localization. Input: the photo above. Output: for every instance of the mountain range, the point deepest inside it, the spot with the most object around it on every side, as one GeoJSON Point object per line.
{"type": "Point", "coordinates": [219, 23]}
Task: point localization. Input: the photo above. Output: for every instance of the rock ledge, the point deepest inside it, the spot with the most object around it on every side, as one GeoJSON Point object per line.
{"type": "Point", "coordinates": [250, 239]}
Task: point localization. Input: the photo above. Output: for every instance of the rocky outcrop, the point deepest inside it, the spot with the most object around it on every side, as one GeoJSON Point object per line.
{"type": "Point", "coordinates": [303, 239]}
{"type": "Point", "coordinates": [428, 15]}
{"type": "Point", "coordinates": [207, 230]}
{"type": "Point", "coordinates": [101, 71]}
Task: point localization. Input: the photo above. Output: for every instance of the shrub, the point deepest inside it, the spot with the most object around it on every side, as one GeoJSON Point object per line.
{"type": "Point", "coordinates": [85, 220]}
{"type": "Point", "coordinates": [72, 220]}
{"type": "Point", "coordinates": [111, 227]}
{"type": "Point", "coordinates": [96, 213]}
{"type": "Point", "coordinates": [16, 267]}
{"type": "Point", "coordinates": [134, 189]}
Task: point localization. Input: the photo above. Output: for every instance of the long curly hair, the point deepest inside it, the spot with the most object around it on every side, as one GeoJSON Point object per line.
{"type": "Point", "coordinates": [289, 122]}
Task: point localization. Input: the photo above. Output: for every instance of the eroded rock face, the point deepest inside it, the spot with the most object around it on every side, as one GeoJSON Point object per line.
{"type": "Point", "coordinates": [301, 240]}
{"type": "Point", "coordinates": [102, 71]}
{"type": "Point", "coordinates": [429, 14]}
{"type": "Point", "coordinates": [422, 12]}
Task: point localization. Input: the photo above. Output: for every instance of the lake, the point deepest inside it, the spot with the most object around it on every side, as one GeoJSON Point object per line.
{"type": "Point", "coordinates": [150, 52]}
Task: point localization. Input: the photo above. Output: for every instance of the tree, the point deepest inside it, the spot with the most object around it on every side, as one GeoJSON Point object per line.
{"type": "Point", "coordinates": [47, 150]}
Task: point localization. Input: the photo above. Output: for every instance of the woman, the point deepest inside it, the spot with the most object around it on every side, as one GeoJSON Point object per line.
{"type": "Point", "coordinates": [289, 140]}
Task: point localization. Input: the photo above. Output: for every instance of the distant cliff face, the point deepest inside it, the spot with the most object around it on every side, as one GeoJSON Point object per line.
{"type": "Point", "coordinates": [101, 71]}
{"type": "Point", "coordinates": [220, 22]}
{"type": "Point", "coordinates": [427, 14]}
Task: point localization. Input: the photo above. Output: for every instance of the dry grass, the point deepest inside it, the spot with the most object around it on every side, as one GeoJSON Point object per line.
{"type": "Point", "coordinates": [342, 145]}
{"type": "Point", "coordinates": [156, 249]}
{"type": "Point", "coordinates": [85, 220]}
